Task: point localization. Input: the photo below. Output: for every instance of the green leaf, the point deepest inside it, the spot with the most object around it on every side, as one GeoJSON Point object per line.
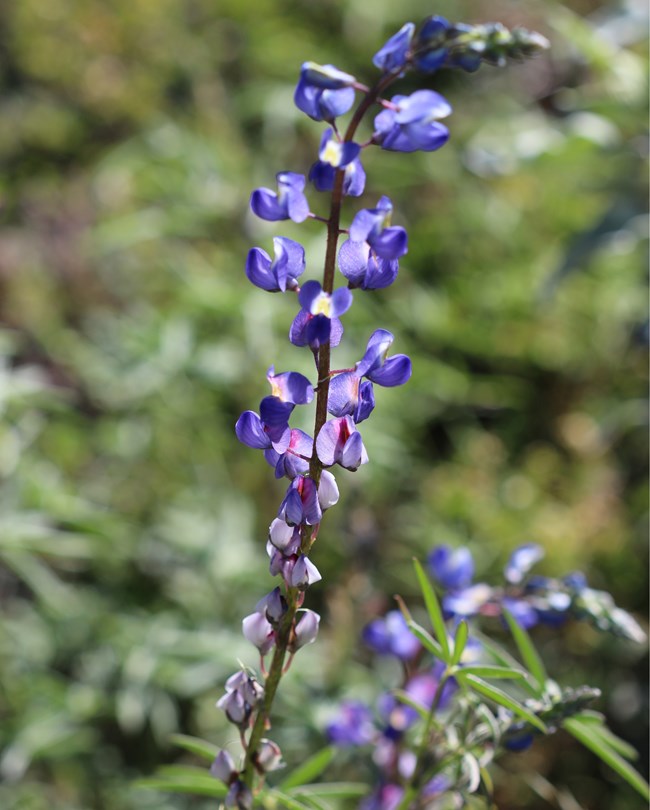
{"type": "Point", "coordinates": [584, 733]}
{"type": "Point", "coordinates": [433, 608]}
{"type": "Point", "coordinates": [332, 790]}
{"type": "Point", "coordinates": [285, 801]}
{"type": "Point", "coordinates": [596, 724]}
{"type": "Point", "coordinates": [184, 779]}
{"type": "Point", "coordinates": [425, 638]}
{"type": "Point", "coordinates": [529, 654]}
{"type": "Point", "coordinates": [310, 769]}
{"type": "Point", "coordinates": [460, 640]}
{"type": "Point", "coordinates": [500, 697]}
{"type": "Point", "coordinates": [504, 658]}
{"type": "Point", "coordinates": [404, 697]}
{"type": "Point", "coordinates": [201, 748]}
{"type": "Point", "coordinates": [490, 671]}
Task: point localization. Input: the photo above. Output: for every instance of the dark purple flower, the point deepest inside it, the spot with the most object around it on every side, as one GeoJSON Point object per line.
{"type": "Point", "coordinates": [413, 125]}
{"type": "Point", "coordinates": [323, 175]}
{"type": "Point", "coordinates": [339, 442]}
{"type": "Point", "coordinates": [349, 395]}
{"type": "Point", "coordinates": [324, 92]}
{"type": "Point", "coordinates": [576, 581]}
{"type": "Point", "coordinates": [289, 202]}
{"type": "Point", "coordinates": [452, 568]}
{"type": "Point", "coordinates": [429, 47]}
{"type": "Point", "coordinates": [295, 460]}
{"type": "Point", "coordinates": [372, 225]}
{"type": "Point", "coordinates": [353, 726]}
{"type": "Point", "coordinates": [521, 561]}
{"type": "Point", "coordinates": [390, 636]}
{"type": "Point", "coordinates": [333, 155]}
{"type": "Point", "coordinates": [282, 273]}
{"type": "Point", "coordinates": [301, 504]}
{"type": "Point", "coordinates": [393, 54]}
{"type": "Point", "coordinates": [363, 268]}
{"type": "Point", "coordinates": [318, 321]}
{"type": "Point", "coordinates": [376, 367]}
{"type": "Point", "coordinates": [253, 431]}
{"type": "Point", "coordinates": [289, 386]}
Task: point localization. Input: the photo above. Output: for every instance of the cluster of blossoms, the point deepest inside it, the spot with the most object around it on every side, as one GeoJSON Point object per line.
{"type": "Point", "coordinates": [368, 259]}
{"type": "Point", "coordinates": [427, 687]}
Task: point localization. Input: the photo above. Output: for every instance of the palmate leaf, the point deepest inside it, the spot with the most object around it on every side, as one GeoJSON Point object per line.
{"type": "Point", "coordinates": [529, 654]}
{"type": "Point", "coordinates": [311, 769]}
{"type": "Point", "coordinates": [434, 610]}
{"type": "Point", "coordinates": [587, 734]}
{"type": "Point", "coordinates": [500, 697]}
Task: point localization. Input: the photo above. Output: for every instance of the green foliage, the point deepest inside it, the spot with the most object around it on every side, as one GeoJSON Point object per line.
{"type": "Point", "coordinates": [132, 524]}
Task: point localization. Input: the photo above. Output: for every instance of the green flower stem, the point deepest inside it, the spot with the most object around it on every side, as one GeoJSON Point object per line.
{"type": "Point", "coordinates": [410, 789]}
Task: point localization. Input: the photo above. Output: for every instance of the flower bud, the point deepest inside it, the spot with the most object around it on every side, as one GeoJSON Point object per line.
{"type": "Point", "coordinates": [305, 630]}
{"type": "Point", "coordinates": [235, 708]}
{"type": "Point", "coordinates": [269, 756]}
{"type": "Point", "coordinates": [239, 796]}
{"type": "Point", "coordinates": [273, 606]}
{"type": "Point", "coordinates": [304, 573]}
{"type": "Point", "coordinates": [223, 767]}
{"type": "Point", "coordinates": [259, 632]}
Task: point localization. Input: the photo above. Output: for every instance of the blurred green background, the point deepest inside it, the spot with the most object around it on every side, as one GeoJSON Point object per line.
{"type": "Point", "coordinates": [132, 523]}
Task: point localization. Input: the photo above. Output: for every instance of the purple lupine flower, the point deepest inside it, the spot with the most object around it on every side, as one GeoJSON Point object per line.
{"type": "Point", "coordinates": [333, 155]}
{"type": "Point", "coordinates": [301, 503]}
{"type": "Point", "coordinates": [322, 175]}
{"type": "Point", "coordinates": [339, 442]}
{"type": "Point", "coordinates": [576, 581]}
{"type": "Point", "coordinates": [223, 767]}
{"type": "Point", "coordinates": [353, 725]}
{"type": "Point", "coordinates": [328, 491]}
{"type": "Point", "coordinates": [269, 756]}
{"type": "Point", "coordinates": [413, 125]}
{"type": "Point", "coordinates": [324, 92]}
{"type": "Point", "coordinates": [452, 568]}
{"type": "Point", "coordinates": [303, 574]}
{"type": "Point", "coordinates": [289, 386]}
{"type": "Point", "coordinates": [522, 611]}
{"type": "Point", "coordinates": [269, 430]}
{"type": "Point", "coordinates": [385, 797]}
{"type": "Point", "coordinates": [248, 687]}
{"type": "Point", "coordinates": [422, 689]}
{"type": "Point", "coordinates": [376, 367]}
{"type": "Point", "coordinates": [294, 461]}
{"type": "Point", "coordinates": [306, 630]}
{"type": "Point", "coordinates": [318, 321]}
{"type": "Point", "coordinates": [390, 635]}
{"type": "Point", "coordinates": [284, 537]}
{"type": "Point", "coordinates": [393, 53]}
{"type": "Point", "coordinates": [372, 225]}
{"type": "Point", "coordinates": [364, 269]}
{"type": "Point", "coordinates": [282, 273]}
{"type": "Point", "coordinates": [236, 709]}
{"type": "Point", "coordinates": [239, 796]}
{"type": "Point", "coordinates": [350, 396]}
{"type": "Point", "coordinates": [273, 606]}
{"type": "Point", "coordinates": [289, 202]}
{"type": "Point", "coordinates": [467, 601]}
{"type": "Point", "coordinates": [259, 631]}
{"type": "Point", "coordinates": [429, 47]}
{"type": "Point", "coordinates": [521, 561]}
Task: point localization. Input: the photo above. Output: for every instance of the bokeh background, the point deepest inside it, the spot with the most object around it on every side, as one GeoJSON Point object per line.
{"type": "Point", "coordinates": [132, 523]}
